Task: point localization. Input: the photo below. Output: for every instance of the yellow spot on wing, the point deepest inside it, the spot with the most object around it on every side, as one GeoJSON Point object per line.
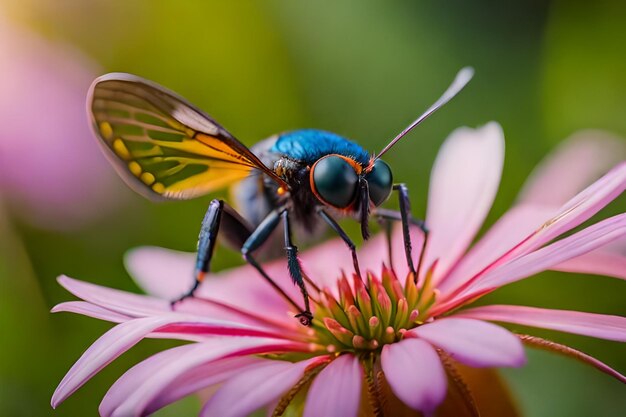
{"type": "Point", "coordinates": [135, 168]}
{"type": "Point", "coordinates": [158, 188]}
{"type": "Point", "coordinates": [120, 149]}
{"type": "Point", "coordinates": [147, 178]}
{"type": "Point", "coordinates": [106, 130]}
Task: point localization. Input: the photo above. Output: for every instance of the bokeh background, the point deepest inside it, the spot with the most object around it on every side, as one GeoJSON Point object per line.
{"type": "Point", "coordinates": [364, 69]}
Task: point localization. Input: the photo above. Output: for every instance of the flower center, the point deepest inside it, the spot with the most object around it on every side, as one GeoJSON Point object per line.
{"type": "Point", "coordinates": [364, 318]}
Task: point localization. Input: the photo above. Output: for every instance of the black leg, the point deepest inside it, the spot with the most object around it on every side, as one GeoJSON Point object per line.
{"type": "Point", "coordinates": [405, 217]}
{"type": "Point", "coordinates": [256, 239]}
{"type": "Point", "coordinates": [335, 226]}
{"type": "Point", "coordinates": [405, 214]}
{"type": "Point", "coordinates": [365, 209]}
{"type": "Point", "coordinates": [223, 219]}
{"type": "Point", "coordinates": [295, 270]}
{"type": "Point", "coordinates": [206, 245]}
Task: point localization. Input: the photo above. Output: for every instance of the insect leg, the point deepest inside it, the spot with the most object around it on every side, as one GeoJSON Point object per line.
{"type": "Point", "coordinates": [256, 239]}
{"type": "Point", "coordinates": [387, 216]}
{"type": "Point", "coordinates": [206, 245]}
{"type": "Point", "coordinates": [295, 270]}
{"type": "Point", "coordinates": [406, 218]}
{"type": "Point", "coordinates": [335, 226]}
{"type": "Point", "coordinates": [395, 215]}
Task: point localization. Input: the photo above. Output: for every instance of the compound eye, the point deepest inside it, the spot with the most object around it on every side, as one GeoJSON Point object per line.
{"type": "Point", "coordinates": [380, 181]}
{"type": "Point", "coordinates": [334, 181]}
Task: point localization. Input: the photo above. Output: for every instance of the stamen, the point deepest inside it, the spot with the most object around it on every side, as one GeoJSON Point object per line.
{"type": "Point", "coordinates": [410, 291]}
{"type": "Point", "coordinates": [402, 313]}
{"type": "Point", "coordinates": [342, 334]}
{"type": "Point", "coordinates": [391, 284]}
{"type": "Point", "coordinates": [384, 303]}
{"type": "Point", "coordinates": [363, 299]}
{"type": "Point", "coordinates": [345, 292]}
{"type": "Point", "coordinates": [356, 320]}
{"type": "Point", "coordinates": [377, 332]}
{"type": "Point", "coordinates": [402, 333]}
{"type": "Point", "coordinates": [389, 336]}
{"type": "Point", "coordinates": [366, 318]}
{"type": "Point", "coordinates": [359, 342]}
{"type": "Point", "coordinates": [334, 308]}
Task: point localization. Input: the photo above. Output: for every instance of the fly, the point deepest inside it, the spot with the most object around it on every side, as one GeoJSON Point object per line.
{"type": "Point", "coordinates": [166, 148]}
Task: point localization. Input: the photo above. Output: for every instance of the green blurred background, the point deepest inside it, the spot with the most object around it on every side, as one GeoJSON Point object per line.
{"type": "Point", "coordinates": [364, 69]}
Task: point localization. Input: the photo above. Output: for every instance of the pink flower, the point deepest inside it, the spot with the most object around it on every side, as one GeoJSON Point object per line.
{"type": "Point", "coordinates": [51, 170]}
{"type": "Point", "coordinates": [396, 340]}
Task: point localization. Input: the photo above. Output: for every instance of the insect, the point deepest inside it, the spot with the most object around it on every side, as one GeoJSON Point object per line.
{"type": "Point", "coordinates": [166, 148]}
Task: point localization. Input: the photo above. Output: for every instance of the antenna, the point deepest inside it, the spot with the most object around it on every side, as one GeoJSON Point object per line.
{"type": "Point", "coordinates": [460, 81]}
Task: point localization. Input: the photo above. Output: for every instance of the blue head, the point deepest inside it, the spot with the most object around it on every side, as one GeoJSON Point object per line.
{"type": "Point", "coordinates": [342, 174]}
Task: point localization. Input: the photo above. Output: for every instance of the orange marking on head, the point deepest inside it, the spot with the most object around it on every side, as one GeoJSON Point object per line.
{"type": "Point", "coordinates": [358, 168]}
{"type": "Point", "coordinates": [370, 165]}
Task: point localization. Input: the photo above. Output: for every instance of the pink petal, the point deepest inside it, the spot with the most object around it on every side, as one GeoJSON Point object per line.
{"type": "Point", "coordinates": [226, 311]}
{"type": "Point", "coordinates": [155, 268]}
{"type": "Point", "coordinates": [597, 262]}
{"type": "Point", "coordinates": [136, 305]}
{"type": "Point", "coordinates": [336, 391]}
{"type": "Point", "coordinates": [245, 288]}
{"type": "Point", "coordinates": [618, 246]}
{"type": "Point", "coordinates": [102, 352]}
{"type": "Point", "coordinates": [122, 302]}
{"type": "Point", "coordinates": [161, 272]}
{"type": "Point", "coordinates": [588, 324]}
{"type": "Point", "coordinates": [254, 388]}
{"type": "Point", "coordinates": [464, 182]}
{"type": "Point", "coordinates": [187, 382]}
{"type": "Point", "coordinates": [134, 377]}
{"type": "Point", "coordinates": [199, 378]}
{"type": "Point", "coordinates": [371, 257]}
{"type": "Point", "coordinates": [474, 342]}
{"type": "Point", "coordinates": [90, 310]}
{"type": "Point", "coordinates": [577, 210]}
{"type": "Point", "coordinates": [415, 374]}
{"type": "Point", "coordinates": [575, 164]}
{"type": "Point", "coordinates": [336, 258]}
{"type": "Point", "coordinates": [168, 274]}
{"type": "Point", "coordinates": [572, 246]}
{"type": "Point", "coordinates": [125, 335]}
{"type": "Point", "coordinates": [398, 255]}
{"type": "Point", "coordinates": [505, 234]}
{"type": "Point", "coordinates": [140, 386]}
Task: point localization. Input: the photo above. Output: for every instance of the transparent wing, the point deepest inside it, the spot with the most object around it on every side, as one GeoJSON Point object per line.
{"type": "Point", "coordinates": [162, 145]}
